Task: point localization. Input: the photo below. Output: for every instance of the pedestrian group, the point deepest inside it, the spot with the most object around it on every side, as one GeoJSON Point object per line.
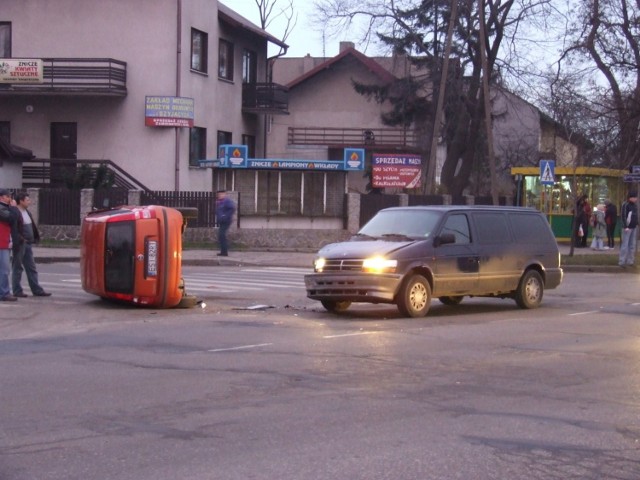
{"type": "Point", "coordinates": [18, 232]}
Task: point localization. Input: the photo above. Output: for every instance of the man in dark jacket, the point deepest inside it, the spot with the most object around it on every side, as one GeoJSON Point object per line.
{"type": "Point", "coordinates": [8, 219]}
{"type": "Point", "coordinates": [225, 209]}
{"type": "Point", "coordinates": [629, 219]}
{"type": "Point", "coordinates": [24, 234]}
{"type": "Point", "coordinates": [611, 219]}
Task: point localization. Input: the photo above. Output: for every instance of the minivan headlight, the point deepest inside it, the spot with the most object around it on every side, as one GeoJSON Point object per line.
{"type": "Point", "coordinates": [318, 265]}
{"type": "Point", "coordinates": [379, 265]}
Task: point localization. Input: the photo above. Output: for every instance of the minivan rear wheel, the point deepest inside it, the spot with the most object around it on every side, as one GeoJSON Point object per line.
{"type": "Point", "coordinates": [530, 290]}
{"type": "Point", "coordinates": [335, 306]}
{"type": "Point", "coordinates": [414, 297]}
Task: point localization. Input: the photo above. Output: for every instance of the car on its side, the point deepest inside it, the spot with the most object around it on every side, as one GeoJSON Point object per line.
{"type": "Point", "coordinates": [407, 255]}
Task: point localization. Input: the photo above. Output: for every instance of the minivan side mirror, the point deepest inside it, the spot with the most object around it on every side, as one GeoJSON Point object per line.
{"type": "Point", "coordinates": [443, 239]}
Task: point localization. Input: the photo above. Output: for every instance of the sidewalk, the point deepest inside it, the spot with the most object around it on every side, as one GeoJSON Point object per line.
{"type": "Point", "coordinates": [208, 257]}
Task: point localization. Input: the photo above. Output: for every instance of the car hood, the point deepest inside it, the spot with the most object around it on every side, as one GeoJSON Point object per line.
{"type": "Point", "coordinates": [361, 249]}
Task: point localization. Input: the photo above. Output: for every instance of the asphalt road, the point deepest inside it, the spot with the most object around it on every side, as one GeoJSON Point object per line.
{"type": "Point", "coordinates": [91, 390]}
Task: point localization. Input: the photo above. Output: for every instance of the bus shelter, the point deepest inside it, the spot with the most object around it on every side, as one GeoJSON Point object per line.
{"type": "Point", "coordinates": [558, 200]}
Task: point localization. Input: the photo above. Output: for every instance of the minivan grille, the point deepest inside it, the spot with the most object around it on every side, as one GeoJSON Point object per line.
{"type": "Point", "coordinates": [338, 265]}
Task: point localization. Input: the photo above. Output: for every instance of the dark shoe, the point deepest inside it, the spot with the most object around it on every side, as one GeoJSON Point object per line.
{"type": "Point", "coordinates": [20, 295]}
{"type": "Point", "coordinates": [223, 254]}
{"type": "Point", "coordinates": [41, 294]}
{"type": "Point", "coordinates": [8, 298]}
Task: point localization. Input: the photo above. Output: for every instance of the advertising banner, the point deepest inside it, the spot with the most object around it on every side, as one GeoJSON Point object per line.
{"type": "Point", "coordinates": [168, 111]}
{"type": "Point", "coordinates": [402, 170]}
{"type": "Point", "coordinates": [25, 70]}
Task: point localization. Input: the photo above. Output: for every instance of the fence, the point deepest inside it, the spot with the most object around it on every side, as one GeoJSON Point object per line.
{"type": "Point", "coordinates": [205, 202]}
{"type": "Point", "coordinates": [59, 206]}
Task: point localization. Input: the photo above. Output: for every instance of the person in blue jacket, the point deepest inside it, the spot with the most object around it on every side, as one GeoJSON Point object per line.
{"type": "Point", "coordinates": [225, 208]}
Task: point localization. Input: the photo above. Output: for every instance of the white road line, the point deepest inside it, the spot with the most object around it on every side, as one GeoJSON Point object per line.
{"type": "Point", "coordinates": [243, 347]}
{"type": "Point", "coordinates": [349, 334]}
{"type": "Point", "coordinates": [583, 313]}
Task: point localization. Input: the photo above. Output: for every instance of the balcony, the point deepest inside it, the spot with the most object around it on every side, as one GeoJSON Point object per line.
{"type": "Point", "coordinates": [268, 98]}
{"type": "Point", "coordinates": [76, 76]}
{"type": "Point", "coordinates": [354, 137]}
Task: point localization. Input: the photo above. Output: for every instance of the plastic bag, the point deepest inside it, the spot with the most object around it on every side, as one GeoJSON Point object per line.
{"type": "Point", "coordinates": [580, 231]}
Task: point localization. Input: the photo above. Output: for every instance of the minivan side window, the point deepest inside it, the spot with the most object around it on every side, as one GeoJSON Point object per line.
{"type": "Point", "coordinates": [529, 228]}
{"type": "Point", "coordinates": [492, 228]}
{"type": "Point", "coordinates": [458, 225]}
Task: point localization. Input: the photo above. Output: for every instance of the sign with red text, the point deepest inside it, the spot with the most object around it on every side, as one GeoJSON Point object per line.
{"type": "Point", "coordinates": [402, 170]}
{"type": "Point", "coordinates": [21, 70]}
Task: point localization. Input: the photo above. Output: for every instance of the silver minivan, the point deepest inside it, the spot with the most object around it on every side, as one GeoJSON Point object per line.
{"type": "Point", "coordinates": [407, 255]}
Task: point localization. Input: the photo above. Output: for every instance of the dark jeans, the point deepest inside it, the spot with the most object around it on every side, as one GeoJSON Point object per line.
{"type": "Point", "coordinates": [23, 261]}
{"type": "Point", "coordinates": [610, 235]}
{"type": "Point", "coordinates": [222, 238]}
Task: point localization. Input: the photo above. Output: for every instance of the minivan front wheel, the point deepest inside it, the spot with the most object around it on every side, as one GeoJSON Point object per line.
{"type": "Point", "coordinates": [530, 290]}
{"type": "Point", "coordinates": [414, 297]}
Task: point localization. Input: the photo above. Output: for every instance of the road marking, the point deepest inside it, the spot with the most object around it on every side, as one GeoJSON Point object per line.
{"type": "Point", "coordinates": [243, 347]}
{"type": "Point", "coordinates": [349, 334]}
{"type": "Point", "coordinates": [583, 313]}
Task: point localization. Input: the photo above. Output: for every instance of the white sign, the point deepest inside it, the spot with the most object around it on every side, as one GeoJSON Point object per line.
{"type": "Point", "coordinates": [25, 70]}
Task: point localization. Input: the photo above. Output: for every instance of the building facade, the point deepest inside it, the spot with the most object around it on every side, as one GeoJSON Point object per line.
{"type": "Point", "coordinates": [113, 68]}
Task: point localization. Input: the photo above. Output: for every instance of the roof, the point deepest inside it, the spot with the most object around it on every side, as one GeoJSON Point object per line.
{"type": "Point", "coordinates": [233, 18]}
{"type": "Point", "coordinates": [370, 64]}
{"type": "Point", "coordinates": [14, 152]}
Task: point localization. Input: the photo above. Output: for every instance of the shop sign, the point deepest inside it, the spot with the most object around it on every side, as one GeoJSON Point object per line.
{"type": "Point", "coordinates": [168, 111]}
{"type": "Point", "coordinates": [396, 170]}
{"type": "Point", "coordinates": [21, 70]}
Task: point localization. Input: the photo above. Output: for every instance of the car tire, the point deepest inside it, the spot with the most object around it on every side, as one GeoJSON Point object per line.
{"type": "Point", "coordinates": [335, 306]}
{"type": "Point", "coordinates": [414, 297]}
{"type": "Point", "coordinates": [530, 290]}
{"type": "Point", "coordinates": [452, 300]}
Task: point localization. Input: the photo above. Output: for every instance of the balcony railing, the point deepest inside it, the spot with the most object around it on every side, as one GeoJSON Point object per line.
{"type": "Point", "coordinates": [265, 98]}
{"type": "Point", "coordinates": [76, 76]}
{"type": "Point", "coordinates": [387, 137]}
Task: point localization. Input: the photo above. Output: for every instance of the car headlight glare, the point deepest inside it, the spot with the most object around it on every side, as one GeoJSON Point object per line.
{"type": "Point", "coordinates": [318, 264]}
{"type": "Point", "coordinates": [379, 265]}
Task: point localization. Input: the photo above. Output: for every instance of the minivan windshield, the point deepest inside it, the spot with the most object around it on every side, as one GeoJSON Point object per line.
{"type": "Point", "coordinates": [393, 225]}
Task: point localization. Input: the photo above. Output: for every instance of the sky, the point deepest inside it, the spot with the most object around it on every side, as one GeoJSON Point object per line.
{"type": "Point", "coordinates": [305, 37]}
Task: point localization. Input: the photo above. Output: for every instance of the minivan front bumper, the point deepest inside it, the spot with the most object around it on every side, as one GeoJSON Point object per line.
{"type": "Point", "coordinates": [354, 287]}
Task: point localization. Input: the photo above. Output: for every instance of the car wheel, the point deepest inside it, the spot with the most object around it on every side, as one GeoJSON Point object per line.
{"type": "Point", "coordinates": [530, 290]}
{"type": "Point", "coordinates": [414, 297]}
{"type": "Point", "coordinates": [452, 300]}
{"type": "Point", "coordinates": [335, 306]}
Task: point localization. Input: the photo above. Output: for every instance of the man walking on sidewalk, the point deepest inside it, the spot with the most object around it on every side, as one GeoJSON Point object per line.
{"type": "Point", "coordinates": [8, 218]}
{"type": "Point", "coordinates": [629, 218]}
{"type": "Point", "coordinates": [225, 208]}
{"type": "Point", "coordinates": [24, 234]}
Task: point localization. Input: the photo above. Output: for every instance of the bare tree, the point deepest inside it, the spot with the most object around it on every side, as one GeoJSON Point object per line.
{"type": "Point", "coordinates": [606, 35]}
{"type": "Point", "coordinates": [269, 13]}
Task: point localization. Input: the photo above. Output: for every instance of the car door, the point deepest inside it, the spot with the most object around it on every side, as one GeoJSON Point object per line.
{"type": "Point", "coordinates": [456, 264]}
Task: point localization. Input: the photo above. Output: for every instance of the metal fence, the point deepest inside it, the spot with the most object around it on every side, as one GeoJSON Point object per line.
{"type": "Point", "coordinates": [59, 206]}
{"type": "Point", "coordinates": [204, 202]}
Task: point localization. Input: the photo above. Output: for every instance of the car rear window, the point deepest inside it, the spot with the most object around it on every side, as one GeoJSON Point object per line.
{"type": "Point", "coordinates": [528, 228]}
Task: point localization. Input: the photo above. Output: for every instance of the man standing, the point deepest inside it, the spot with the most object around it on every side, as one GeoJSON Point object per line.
{"type": "Point", "coordinates": [24, 235]}
{"type": "Point", "coordinates": [225, 209]}
{"type": "Point", "coordinates": [611, 219]}
{"type": "Point", "coordinates": [629, 218]}
{"type": "Point", "coordinates": [8, 219]}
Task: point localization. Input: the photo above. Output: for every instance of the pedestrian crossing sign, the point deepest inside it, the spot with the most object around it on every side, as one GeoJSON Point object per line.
{"type": "Point", "coordinates": [547, 172]}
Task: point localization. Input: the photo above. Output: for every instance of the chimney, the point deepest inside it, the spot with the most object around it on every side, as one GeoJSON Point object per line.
{"type": "Point", "coordinates": [345, 45]}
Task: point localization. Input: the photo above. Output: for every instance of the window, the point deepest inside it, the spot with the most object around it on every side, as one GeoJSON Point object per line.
{"type": "Point", "coordinates": [224, 138]}
{"type": "Point", "coordinates": [529, 228]}
{"type": "Point", "coordinates": [249, 66]}
{"type": "Point", "coordinates": [197, 145]}
{"type": "Point", "coordinates": [250, 142]}
{"type": "Point", "coordinates": [492, 228]}
{"type": "Point", "coordinates": [5, 131]}
{"type": "Point", "coordinates": [199, 42]}
{"type": "Point", "coordinates": [459, 227]}
{"type": "Point", "coordinates": [225, 60]}
{"type": "Point", "coordinates": [5, 39]}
